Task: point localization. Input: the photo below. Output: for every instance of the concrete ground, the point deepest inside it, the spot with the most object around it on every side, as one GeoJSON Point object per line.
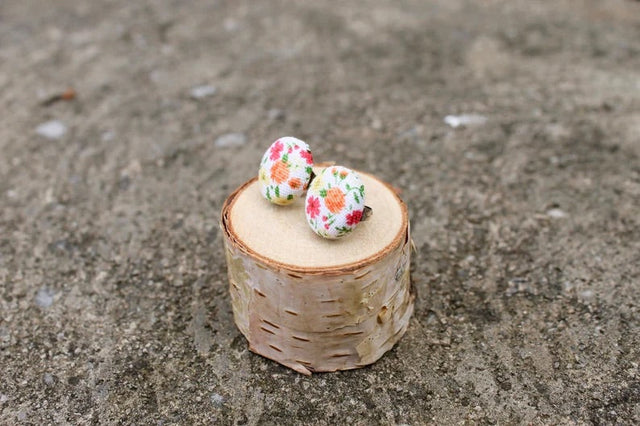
{"type": "Point", "coordinates": [114, 306]}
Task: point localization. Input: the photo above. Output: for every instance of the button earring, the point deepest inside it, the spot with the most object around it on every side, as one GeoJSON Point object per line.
{"type": "Point", "coordinates": [335, 202]}
{"type": "Point", "coordinates": [285, 170]}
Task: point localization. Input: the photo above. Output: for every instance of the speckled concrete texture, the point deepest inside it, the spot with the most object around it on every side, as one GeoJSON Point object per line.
{"type": "Point", "coordinates": [114, 306]}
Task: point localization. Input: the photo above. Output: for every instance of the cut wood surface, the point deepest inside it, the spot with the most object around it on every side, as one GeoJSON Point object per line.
{"type": "Point", "coordinates": [314, 304]}
{"type": "Point", "coordinates": [281, 233]}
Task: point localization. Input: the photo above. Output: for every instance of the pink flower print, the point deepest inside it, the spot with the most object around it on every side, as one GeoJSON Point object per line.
{"type": "Point", "coordinates": [290, 150]}
{"type": "Point", "coordinates": [326, 226]}
{"type": "Point", "coordinates": [313, 207]}
{"type": "Point", "coordinates": [354, 217]}
{"type": "Point", "coordinates": [276, 150]}
{"type": "Point", "coordinates": [307, 156]}
{"type": "Point", "coordinates": [324, 218]}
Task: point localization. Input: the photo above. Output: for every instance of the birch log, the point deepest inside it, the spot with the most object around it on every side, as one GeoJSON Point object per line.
{"type": "Point", "coordinates": [313, 304]}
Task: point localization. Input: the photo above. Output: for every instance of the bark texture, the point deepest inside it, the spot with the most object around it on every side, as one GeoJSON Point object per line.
{"type": "Point", "coordinates": [314, 321]}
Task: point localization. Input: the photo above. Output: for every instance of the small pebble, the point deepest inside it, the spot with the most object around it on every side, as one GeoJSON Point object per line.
{"type": "Point", "coordinates": [465, 120]}
{"type": "Point", "coordinates": [48, 379]}
{"type": "Point", "coordinates": [276, 114]}
{"type": "Point", "coordinates": [53, 129]}
{"type": "Point", "coordinates": [203, 91]}
{"type": "Point", "coordinates": [556, 213]}
{"type": "Point", "coordinates": [230, 25]}
{"type": "Point", "coordinates": [217, 399]}
{"type": "Point", "coordinates": [44, 298]}
{"type": "Point", "coordinates": [586, 294]}
{"type": "Point", "coordinates": [230, 140]}
{"type": "Point", "coordinates": [107, 136]}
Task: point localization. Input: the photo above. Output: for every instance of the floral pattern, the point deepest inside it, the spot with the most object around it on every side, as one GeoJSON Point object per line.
{"type": "Point", "coordinates": [335, 202]}
{"type": "Point", "coordinates": [313, 207]}
{"type": "Point", "coordinates": [285, 170]}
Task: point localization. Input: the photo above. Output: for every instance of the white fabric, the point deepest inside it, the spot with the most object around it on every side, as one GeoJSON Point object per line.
{"type": "Point", "coordinates": [335, 202]}
{"type": "Point", "coordinates": [285, 170]}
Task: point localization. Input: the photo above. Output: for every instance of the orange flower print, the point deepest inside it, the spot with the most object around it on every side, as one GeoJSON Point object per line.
{"type": "Point", "coordinates": [335, 202]}
{"type": "Point", "coordinates": [295, 183]}
{"type": "Point", "coordinates": [279, 172]}
{"type": "Point", "coordinates": [284, 173]}
{"type": "Point", "coordinates": [334, 199]}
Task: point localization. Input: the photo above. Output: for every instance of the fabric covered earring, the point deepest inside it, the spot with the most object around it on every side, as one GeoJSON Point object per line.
{"type": "Point", "coordinates": [285, 170]}
{"type": "Point", "coordinates": [335, 202]}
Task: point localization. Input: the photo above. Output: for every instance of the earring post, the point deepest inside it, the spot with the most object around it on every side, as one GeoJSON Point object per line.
{"type": "Point", "coordinates": [366, 213]}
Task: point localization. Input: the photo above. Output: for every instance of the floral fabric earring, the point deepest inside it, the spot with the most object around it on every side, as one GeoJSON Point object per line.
{"type": "Point", "coordinates": [335, 202]}
{"type": "Point", "coordinates": [285, 170]}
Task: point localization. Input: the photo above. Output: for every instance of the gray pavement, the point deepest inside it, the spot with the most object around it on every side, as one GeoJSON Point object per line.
{"type": "Point", "coordinates": [114, 306]}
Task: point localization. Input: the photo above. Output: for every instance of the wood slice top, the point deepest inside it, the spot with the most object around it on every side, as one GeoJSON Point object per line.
{"type": "Point", "coordinates": [280, 235]}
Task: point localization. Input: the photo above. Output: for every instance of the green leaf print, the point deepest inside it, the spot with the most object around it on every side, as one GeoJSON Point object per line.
{"type": "Point", "coordinates": [343, 230]}
{"type": "Point", "coordinates": [277, 191]}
